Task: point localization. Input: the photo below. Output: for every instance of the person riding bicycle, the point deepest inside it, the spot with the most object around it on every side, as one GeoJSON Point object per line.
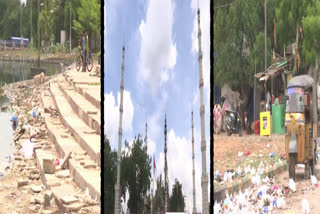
{"type": "Point", "coordinates": [87, 44]}
{"type": "Point", "coordinates": [84, 54]}
{"type": "Point", "coordinates": [79, 46]}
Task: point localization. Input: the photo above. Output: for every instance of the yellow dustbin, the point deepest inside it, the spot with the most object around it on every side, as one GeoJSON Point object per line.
{"type": "Point", "coordinates": [265, 123]}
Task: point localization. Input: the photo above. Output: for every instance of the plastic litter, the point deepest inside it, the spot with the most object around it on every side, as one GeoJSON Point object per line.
{"type": "Point", "coordinates": [27, 149]}
{"type": "Point", "coordinates": [305, 206]}
{"type": "Point", "coordinates": [248, 153]}
{"type": "Point", "coordinates": [292, 185]}
{"type": "Point", "coordinates": [57, 162]}
{"type": "Point", "coordinates": [314, 181]}
{"type": "Point", "coordinates": [281, 203]}
{"type": "Point", "coordinates": [271, 155]}
{"type": "Point", "coordinates": [283, 155]}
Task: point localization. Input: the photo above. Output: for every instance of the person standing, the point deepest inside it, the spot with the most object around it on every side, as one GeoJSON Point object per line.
{"type": "Point", "coordinates": [87, 45]}
{"type": "Point", "coordinates": [84, 52]}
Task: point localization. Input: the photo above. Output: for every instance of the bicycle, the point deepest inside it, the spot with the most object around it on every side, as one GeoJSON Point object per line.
{"type": "Point", "coordinates": [89, 61]}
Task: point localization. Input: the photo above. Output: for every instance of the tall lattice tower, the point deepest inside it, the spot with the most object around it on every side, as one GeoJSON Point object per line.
{"type": "Point", "coordinates": [193, 172]}
{"type": "Point", "coordinates": [204, 177]}
{"type": "Point", "coordinates": [117, 186]}
{"type": "Point", "coordinates": [165, 166]}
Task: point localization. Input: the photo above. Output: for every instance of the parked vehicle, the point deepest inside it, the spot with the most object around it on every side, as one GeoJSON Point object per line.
{"type": "Point", "coordinates": [301, 124]}
{"type": "Point", "coordinates": [233, 123]}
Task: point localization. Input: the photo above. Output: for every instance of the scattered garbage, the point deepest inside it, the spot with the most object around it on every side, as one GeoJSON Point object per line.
{"type": "Point", "coordinates": [314, 181]}
{"type": "Point", "coordinates": [283, 155]}
{"type": "Point", "coordinates": [27, 149]}
{"type": "Point", "coordinates": [292, 185]}
{"type": "Point", "coordinates": [271, 155]}
{"type": "Point", "coordinates": [57, 162]}
{"type": "Point", "coordinates": [248, 153]}
{"type": "Point", "coordinates": [305, 206]}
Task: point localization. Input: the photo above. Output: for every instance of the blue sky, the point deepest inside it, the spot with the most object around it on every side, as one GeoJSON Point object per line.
{"type": "Point", "coordinates": [161, 77]}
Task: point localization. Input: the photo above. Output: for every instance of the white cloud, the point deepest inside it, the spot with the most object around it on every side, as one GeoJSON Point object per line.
{"type": "Point", "coordinates": [112, 115]}
{"type": "Point", "coordinates": [151, 147]}
{"type": "Point", "coordinates": [158, 53]}
{"type": "Point", "coordinates": [179, 159]}
{"type": "Point", "coordinates": [156, 120]}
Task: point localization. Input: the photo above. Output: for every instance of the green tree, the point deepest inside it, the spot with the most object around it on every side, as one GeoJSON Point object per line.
{"type": "Point", "coordinates": [311, 32]}
{"type": "Point", "coordinates": [135, 173]}
{"type": "Point", "coordinates": [158, 199]}
{"type": "Point", "coordinates": [110, 170]}
{"type": "Point", "coordinates": [88, 19]}
{"type": "Point", "coordinates": [176, 201]}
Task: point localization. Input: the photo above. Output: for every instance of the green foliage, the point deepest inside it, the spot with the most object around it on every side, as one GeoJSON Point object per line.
{"type": "Point", "coordinates": [54, 16]}
{"type": "Point", "coordinates": [88, 17]}
{"type": "Point", "coordinates": [135, 174]}
{"type": "Point", "coordinates": [311, 32]}
{"type": "Point", "coordinates": [176, 201]}
{"type": "Point", "coordinates": [110, 167]}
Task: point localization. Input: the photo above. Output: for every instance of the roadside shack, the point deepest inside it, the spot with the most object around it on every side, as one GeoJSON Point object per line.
{"type": "Point", "coordinates": [269, 96]}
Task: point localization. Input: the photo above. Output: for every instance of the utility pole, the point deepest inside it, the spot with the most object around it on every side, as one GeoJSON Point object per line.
{"type": "Point", "coordinates": [21, 21]}
{"type": "Point", "coordinates": [193, 172]}
{"type": "Point", "coordinates": [31, 40]}
{"type": "Point", "coordinates": [204, 177]}
{"type": "Point", "coordinates": [38, 33]}
{"type": "Point", "coordinates": [117, 186]}
{"type": "Point", "coordinates": [70, 27]}
{"type": "Point", "coordinates": [265, 35]}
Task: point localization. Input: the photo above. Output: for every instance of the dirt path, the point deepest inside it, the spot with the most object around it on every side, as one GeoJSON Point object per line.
{"type": "Point", "coordinates": [226, 150]}
{"type": "Point", "coordinates": [304, 190]}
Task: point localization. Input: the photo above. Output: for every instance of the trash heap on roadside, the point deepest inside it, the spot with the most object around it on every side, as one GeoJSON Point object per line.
{"type": "Point", "coordinates": [263, 196]}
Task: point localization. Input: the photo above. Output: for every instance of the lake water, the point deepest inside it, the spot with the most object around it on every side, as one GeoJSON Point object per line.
{"type": "Point", "coordinates": [15, 71]}
{"type": "Point", "coordinates": [6, 130]}
{"type": "Point", "coordinates": [11, 72]}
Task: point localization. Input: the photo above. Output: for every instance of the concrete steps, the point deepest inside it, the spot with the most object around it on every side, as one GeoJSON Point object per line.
{"type": "Point", "coordinates": [60, 187]}
{"type": "Point", "coordinates": [85, 109]}
{"type": "Point", "coordinates": [88, 179]}
{"type": "Point", "coordinates": [88, 139]}
{"type": "Point", "coordinates": [88, 88]}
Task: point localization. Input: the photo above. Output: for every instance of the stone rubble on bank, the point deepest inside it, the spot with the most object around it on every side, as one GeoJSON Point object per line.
{"type": "Point", "coordinates": [27, 110]}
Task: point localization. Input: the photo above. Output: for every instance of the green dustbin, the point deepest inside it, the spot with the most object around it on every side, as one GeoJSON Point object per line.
{"type": "Point", "coordinates": [278, 117]}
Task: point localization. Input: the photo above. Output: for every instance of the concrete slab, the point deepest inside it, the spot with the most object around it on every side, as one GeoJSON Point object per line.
{"type": "Point", "coordinates": [63, 174]}
{"type": "Point", "coordinates": [35, 189]}
{"type": "Point", "coordinates": [82, 106]}
{"type": "Point", "coordinates": [90, 143]}
{"type": "Point", "coordinates": [69, 199]}
{"type": "Point", "coordinates": [85, 178]}
{"type": "Point", "coordinates": [90, 92]}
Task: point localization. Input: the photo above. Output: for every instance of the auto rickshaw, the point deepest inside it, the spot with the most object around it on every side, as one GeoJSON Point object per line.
{"type": "Point", "coordinates": [301, 124]}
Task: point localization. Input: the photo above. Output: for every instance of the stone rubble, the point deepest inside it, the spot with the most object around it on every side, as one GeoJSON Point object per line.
{"type": "Point", "coordinates": [28, 111]}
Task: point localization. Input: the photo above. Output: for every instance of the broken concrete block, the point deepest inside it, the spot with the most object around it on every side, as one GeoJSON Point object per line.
{"type": "Point", "coordinates": [18, 157]}
{"type": "Point", "coordinates": [69, 199]}
{"type": "Point", "coordinates": [38, 200]}
{"type": "Point", "coordinates": [36, 189]}
{"type": "Point", "coordinates": [47, 198]}
{"type": "Point", "coordinates": [22, 183]}
{"type": "Point", "coordinates": [65, 160]}
{"type": "Point", "coordinates": [49, 165]}
{"type": "Point", "coordinates": [63, 174]}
